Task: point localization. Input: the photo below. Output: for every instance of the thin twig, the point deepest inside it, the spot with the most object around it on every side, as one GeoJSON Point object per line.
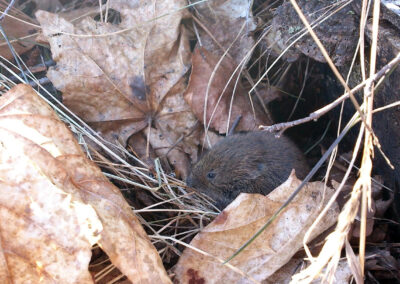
{"type": "Point", "coordinates": [330, 62]}
{"type": "Point", "coordinates": [318, 113]}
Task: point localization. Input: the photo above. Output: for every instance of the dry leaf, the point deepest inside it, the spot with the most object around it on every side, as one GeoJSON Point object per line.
{"type": "Point", "coordinates": [203, 63]}
{"type": "Point", "coordinates": [163, 147]}
{"type": "Point", "coordinates": [176, 122]}
{"type": "Point", "coordinates": [121, 82]}
{"type": "Point", "coordinates": [18, 32]}
{"type": "Point", "coordinates": [55, 203]}
{"type": "Point", "coordinates": [383, 260]}
{"type": "Point", "coordinates": [284, 275]}
{"type": "Point", "coordinates": [379, 203]}
{"type": "Point", "coordinates": [241, 219]}
{"type": "Point", "coordinates": [228, 22]}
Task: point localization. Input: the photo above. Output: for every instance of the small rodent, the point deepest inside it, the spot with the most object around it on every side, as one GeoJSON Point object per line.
{"type": "Point", "coordinates": [255, 162]}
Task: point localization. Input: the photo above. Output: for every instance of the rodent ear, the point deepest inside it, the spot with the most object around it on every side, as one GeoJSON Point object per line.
{"type": "Point", "coordinates": [203, 153]}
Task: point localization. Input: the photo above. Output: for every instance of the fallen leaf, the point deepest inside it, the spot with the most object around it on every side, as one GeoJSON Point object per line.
{"type": "Point", "coordinates": [55, 203]}
{"type": "Point", "coordinates": [227, 22]}
{"type": "Point", "coordinates": [121, 82]}
{"type": "Point", "coordinates": [383, 260]}
{"type": "Point", "coordinates": [217, 107]}
{"type": "Point", "coordinates": [241, 220]}
{"type": "Point", "coordinates": [380, 203]}
{"type": "Point", "coordinates": [20, 34]}
{"type": "Point", "coordinates": [284, 275]}
{"type": "Point", "coordinates": [164, 148]}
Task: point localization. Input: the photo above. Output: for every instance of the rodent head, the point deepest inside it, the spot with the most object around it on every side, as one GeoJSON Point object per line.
{"type": "Point", "coordinates": [230, 167]}
{"type": "Point", "coordinates": [209, 177]}
{"type": "Point", "coordinates": [253, 163]}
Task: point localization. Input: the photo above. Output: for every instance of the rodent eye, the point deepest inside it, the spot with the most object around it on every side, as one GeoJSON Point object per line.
{"type": "Point", "coordinates": [211, 175]}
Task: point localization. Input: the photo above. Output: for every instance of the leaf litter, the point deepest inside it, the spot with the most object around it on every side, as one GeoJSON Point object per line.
{"type": "Point", "coordinates": [130, 79]}
{"type": "Point", "coordinates": [242, 219]}
{"type": "Point", "coordinates": [120, 83]}
{"type": "Point", "coordinates": [56, 204]}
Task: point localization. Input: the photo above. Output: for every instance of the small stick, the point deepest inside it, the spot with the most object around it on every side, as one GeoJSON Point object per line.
{"type": "Point", "coordinates": [318, 113]}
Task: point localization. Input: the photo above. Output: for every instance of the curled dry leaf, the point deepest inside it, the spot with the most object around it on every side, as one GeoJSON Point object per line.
{"type": "Point", "coordinates": [218, 107]}
{"type": "Point", "coordinates": [118, 81]}
{"type": "Point", "coordinates": [379, 202]}
{"type": "Point", "coordinates": [55, 203]}
{"type": "Point", "coordinates": [241, 220]}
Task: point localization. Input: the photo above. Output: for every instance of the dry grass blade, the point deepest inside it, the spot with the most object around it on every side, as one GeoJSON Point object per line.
{"type": "Point", "coordinates": [366, 164]}
{"type": "Point", "coordinates": [354, 263]}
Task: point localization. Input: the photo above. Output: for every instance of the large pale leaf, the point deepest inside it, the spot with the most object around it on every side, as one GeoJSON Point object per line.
{"type": "Point", "coordinates": [241, 220]}
{"type": "Point", "coordinates": [55, 203]}
{"type": "Point", "coordinates": [120, 82]}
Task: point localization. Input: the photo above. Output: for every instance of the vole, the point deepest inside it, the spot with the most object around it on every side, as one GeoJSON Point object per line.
{"type": "Point", "coordinates": [254, 162]}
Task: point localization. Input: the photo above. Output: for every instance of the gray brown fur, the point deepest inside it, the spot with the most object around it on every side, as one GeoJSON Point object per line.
{"type": "Point", "coordinates": [255, 162]}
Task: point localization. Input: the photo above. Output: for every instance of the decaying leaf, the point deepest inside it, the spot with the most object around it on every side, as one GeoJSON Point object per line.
{"type": "Point", "coordinates": [55, 203]}
{"type": "Point", "coordinates": [20, 34]}
{"type": "Point", "coordinates": [227, 22]}
{"type": "Point", "coordinates": [217, 110]}
{"type": "Point", "coordinates": [164, 148]}
{"type": "Point", "coordinates": [118, 77]}
{"type": "Point", "coordinates": [241, 219]}
{"type": "Point", "coordinates": [284, 275]}
{"type": "Point", "coordinates": [379, 202]}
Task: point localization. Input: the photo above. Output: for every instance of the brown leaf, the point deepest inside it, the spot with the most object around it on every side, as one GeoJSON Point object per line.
{"type": "Point", "coordinates": [18, 32]}
{"type": "Point", "coordinates": [228, 22]}
{"type": "Point", "coordinates": [284, 274]}
{"type": "Point", "coordinates": [241, 219]}
{"type": "Point", "coordinates": [176, 122]}
{"type": "Point", "coordinates": [203, 63]}
{"type": "Point", "coordinates": [164, 148]}
{"type": "Point", "coordinates": [55, 203]}
{"type": "Point", "coordinates": [120, 82]}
